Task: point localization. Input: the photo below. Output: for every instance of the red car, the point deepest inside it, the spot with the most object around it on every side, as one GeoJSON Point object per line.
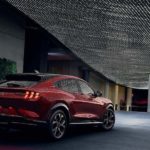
{"type": "Point", "coordinates": [54, 100]}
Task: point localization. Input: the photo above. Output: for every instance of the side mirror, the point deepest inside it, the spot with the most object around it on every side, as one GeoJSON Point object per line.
{"type": "Point", "coordinates": [98, 94]}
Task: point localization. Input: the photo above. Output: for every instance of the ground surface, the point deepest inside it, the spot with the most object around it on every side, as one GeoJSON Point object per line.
{"type": "Point", "coordinates": [131, 132]}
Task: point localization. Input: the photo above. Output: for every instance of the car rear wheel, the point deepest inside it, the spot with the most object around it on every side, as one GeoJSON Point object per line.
{"type": "Point", "coordinates": [108, 120]}
{"type": "Point", "coordinates": [58, 124]}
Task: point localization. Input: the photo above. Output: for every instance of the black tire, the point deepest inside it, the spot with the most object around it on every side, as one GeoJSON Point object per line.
{"type": "Point", "coordinates": [57, 124]}
{"type": "Point", "coordinates": [108, 120]}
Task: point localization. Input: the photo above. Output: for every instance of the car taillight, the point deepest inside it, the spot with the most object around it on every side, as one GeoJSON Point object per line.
{"type": "Point", "coordinates": [32, 95]}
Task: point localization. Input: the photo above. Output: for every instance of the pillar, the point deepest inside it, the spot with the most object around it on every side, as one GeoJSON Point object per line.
{"type": "Point", "coordinates": [129, 99]}
{"type": "Point", "coordinates": [116, 99]}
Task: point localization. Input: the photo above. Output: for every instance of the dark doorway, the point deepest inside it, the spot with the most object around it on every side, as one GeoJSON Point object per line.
{"type": "Point", "coordinates": [36, 48]}
{"type": "Point", "coordinates": [139, 100]}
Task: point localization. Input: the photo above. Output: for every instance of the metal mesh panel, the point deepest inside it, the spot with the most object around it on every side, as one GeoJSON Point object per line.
{"type": "Point", "coordinates": [112, 36]}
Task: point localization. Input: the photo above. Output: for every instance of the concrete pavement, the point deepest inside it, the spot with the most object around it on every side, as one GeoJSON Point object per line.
{"type": "Point", "coordinates": [131, 132]}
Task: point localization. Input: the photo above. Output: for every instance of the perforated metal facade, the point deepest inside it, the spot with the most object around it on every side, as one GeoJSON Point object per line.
{"type": "Point", "coordinates": [112, 36]}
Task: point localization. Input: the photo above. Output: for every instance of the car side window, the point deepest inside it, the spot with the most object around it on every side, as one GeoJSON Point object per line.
{"type": "Point", "coordinates": [85, 88]}
{"type": "Point", "coordinates": [69, 85]}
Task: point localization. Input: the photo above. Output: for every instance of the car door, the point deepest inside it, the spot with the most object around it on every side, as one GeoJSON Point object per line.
{"type": "Point", "coordinates": [85, 104]}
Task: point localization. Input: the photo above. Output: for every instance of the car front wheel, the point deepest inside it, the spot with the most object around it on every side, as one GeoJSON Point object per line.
{"type": "Point", "coordinates": [57, 124]}
{"type": "Point", "coordinates": [108, 120]}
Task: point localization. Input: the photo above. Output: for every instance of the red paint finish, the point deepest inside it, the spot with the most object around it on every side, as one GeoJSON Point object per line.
{"type": "Point", "coordinates": [37, 101]}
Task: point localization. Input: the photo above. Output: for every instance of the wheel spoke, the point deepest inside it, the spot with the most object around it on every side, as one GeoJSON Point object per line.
{"type": "Point", "coordinates": [62, 126]}
{"type": "Point", "coordinates": [55, 117]}
{"type": "Point", "coordinates": [111, 121]}
{"type": "Point", "coordinates": [54, 122]}
{"type": "Point", "coordinates": [54, 130]}
{"type": "Point", "coordinates": [61, 132]}
{"type": "Point", "coordinates": [61, 117]}
{"type": "Point", "coordinates": [63, 122]}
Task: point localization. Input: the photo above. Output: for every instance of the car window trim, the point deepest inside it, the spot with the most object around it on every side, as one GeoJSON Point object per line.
{"type": "Point", "coordinates": [66, 90]}
{"type": "Point", "coordinates": [87, 85]}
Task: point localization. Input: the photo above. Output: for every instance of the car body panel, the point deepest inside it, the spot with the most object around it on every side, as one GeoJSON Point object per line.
{"type": "Point", "coordinates": [79, 106]}
{"type": "Point", "coordinates": [86, 107]}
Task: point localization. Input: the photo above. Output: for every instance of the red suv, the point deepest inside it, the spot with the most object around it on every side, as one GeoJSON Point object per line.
{"type": "Point", "coordinates": [56, 101]}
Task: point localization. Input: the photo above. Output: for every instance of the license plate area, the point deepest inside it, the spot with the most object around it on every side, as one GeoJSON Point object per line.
{"type": "Point", "coordinates": [8, 110]}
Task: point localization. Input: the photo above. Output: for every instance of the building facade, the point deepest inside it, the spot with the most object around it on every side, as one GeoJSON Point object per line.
{"type": "Point", "coordinates": [33, 48]}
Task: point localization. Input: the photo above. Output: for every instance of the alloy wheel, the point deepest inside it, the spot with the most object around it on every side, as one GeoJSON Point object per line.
{"type": "Point", "coordinates": [109, 120]}
{"type": "Point", "coordinates": [58, 124]}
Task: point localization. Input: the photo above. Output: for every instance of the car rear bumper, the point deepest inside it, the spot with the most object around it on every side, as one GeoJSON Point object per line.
{"type": "Point", "coordinates": [35, 110]}
{"type": "Point", "coordinates": [16, 121]}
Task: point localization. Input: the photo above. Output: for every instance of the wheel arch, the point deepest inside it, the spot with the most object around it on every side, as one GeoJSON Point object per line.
{"type": "Point", "coordinates": [63, 107]}
{"type": "Point", "coordinates": [110, 106]}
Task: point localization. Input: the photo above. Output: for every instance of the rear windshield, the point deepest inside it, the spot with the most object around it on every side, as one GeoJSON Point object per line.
{"type": "Point", "coordinates": [17, 83]}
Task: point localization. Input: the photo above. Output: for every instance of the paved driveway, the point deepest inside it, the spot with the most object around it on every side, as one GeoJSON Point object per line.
{"type": "Point", "coordinates": [131, 132]}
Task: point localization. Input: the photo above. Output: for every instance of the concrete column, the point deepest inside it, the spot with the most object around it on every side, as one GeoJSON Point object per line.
{"type": "Point", "coordinates": [148, 107]}
{"type": "Point", "coordinates": [129, 98]}
{"type": "Point", "coordinates": [107, 89]}
{"type": "Point", "coordinates": [116, 102]}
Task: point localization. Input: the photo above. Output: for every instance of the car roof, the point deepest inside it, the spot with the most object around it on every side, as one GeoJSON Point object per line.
{"type": "Point", "coordinates": [36, 76]}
